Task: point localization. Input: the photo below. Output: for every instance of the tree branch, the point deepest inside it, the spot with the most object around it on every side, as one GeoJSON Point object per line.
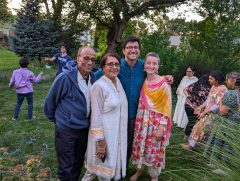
{"type": "Point", "coordinates": [125, 6]}
{"type": "Point", "coordinates": [153, 4]}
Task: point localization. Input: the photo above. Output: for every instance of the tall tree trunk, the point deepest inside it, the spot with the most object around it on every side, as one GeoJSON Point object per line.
{"type": "Point", "coordinates": [57, 14]}
{"type": "Point", "coordinates": [114, 36]}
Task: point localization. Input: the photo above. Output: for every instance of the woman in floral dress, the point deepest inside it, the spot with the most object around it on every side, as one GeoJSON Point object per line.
{"type": "Point", "coordinates": [153, 121]}
{"type": "Point", "coordinates": [202, 129]}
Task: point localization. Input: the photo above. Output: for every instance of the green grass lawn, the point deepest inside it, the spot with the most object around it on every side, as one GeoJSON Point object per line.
{"type": "Point", "coordinates": [27, 149]}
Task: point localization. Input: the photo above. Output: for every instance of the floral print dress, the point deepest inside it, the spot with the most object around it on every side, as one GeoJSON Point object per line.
{"type": "Point", "coordinates": [154, 110]}
{"type": "Point", "coordinates": [203, 127]}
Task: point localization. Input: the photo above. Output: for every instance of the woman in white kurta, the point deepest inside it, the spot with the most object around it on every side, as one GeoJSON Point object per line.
{"type": "Point", "coordinates": [107, 142]}
{"type": "Point", "coordinates": [180, 116]}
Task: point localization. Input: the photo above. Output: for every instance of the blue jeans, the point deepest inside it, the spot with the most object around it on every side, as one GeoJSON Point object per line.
{"type": "Point", "coordinates": [20, 98]}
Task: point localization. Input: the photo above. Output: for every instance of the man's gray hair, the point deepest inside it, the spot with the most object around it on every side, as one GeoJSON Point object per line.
{"type": "Point", "coordinates": [233, 75]}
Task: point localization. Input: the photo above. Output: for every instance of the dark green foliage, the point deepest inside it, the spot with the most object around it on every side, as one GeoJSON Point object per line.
{"type": "Point", "coordinates": [215, 39]}
{"type": "Point", "coordinates": [159, 43]}
{"type": "Point", "coordinates": [33, 36]}
{"type": "Point", "coordinates": [197, 60]}
{"type": "Point", "coordinates": [100, 41]}
{"type": "Point", "coordinates": [215, 35]}
{"type": "Point", "coordinates": [5, 14]}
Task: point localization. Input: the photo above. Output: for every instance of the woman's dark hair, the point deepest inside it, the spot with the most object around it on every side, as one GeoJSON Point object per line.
{"type": "Point", "coordinates": [65, 46]}
{"type": "Point", "coordinates": [202, 82]}
{"type": "Point", "coordinates": [192, 68]}
{"type": "Point", "coordinates": [218, 76]}
{"type": "Point", "coordinates": [105, 57]}
{"type": "Point", "coordinates": [23, 62]}
{"type": "Point", "coordinates": [131, 39]}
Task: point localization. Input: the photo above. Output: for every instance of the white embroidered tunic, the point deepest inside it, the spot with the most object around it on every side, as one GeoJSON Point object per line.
{"type": "Point", "coordinates": [180, 116]}
{"type": "Point", "coordinates": [109, 122]}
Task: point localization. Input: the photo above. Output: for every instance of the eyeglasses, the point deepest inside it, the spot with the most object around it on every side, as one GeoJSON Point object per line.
{"type": "Point", "coordinates": [131, 48]}
{"type": "Point", "coordinates": [87, 59]}
{"type": "Point", "coordinates": [111, 65]}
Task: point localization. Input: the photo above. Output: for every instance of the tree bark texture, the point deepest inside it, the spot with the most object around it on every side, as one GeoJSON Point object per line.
{"type": "Point", "coordinates": [114, 36]}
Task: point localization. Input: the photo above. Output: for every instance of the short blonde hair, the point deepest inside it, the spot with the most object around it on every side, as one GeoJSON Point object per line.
{"type": "Point", "coordinates": [153, 54]}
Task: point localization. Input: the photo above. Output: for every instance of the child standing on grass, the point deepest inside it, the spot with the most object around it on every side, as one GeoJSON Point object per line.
{"type": "Point", "coordinates": [23, 80]}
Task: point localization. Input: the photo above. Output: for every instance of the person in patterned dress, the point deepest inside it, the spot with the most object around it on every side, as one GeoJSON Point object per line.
{"type": "Point", "coordinates": [221, 148]}
{"type": "Point", "coordinates": [203, 127]}
{"type": "Point", "coordinates": [196, 95]}
{"type": "Point", "coordinates": [153, 121]}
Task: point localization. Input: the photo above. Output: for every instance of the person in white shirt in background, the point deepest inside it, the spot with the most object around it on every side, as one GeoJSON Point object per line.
{"type": "Point", "coordinates": [180, 117]}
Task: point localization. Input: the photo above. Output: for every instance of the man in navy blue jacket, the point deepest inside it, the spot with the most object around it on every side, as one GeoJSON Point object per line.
{"type": "Point", "coordinates": [68, 106]}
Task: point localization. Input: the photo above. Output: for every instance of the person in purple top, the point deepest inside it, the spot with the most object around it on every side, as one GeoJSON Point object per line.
{"type": "Point", "coordinates": [23, 80]}
{"type": "Point", "coordinates": [61, 58]}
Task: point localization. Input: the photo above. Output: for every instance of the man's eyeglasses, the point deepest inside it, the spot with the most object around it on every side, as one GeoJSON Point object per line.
{"type": "Point", "coordinates": [111, 65]}
{"type": "Point", "coordinates": [86, 59]}
{"type": "Point", "coordinates": [131, 48]}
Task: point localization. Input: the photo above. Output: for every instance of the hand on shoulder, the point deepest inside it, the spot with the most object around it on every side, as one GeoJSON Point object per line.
{"type": "Point", "coordinates": [169, 79]}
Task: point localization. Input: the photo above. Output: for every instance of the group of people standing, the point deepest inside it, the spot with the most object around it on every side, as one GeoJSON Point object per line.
{"type": "Point", "coordinates": [100, 114]}
{"type": "Point", "coordinates": [123, 111]}
{"type": "Point", "coordinates": [201, 102]}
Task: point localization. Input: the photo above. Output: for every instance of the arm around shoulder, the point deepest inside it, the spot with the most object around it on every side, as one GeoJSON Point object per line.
{"type": "Point", "coordinates": [169, 79]}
